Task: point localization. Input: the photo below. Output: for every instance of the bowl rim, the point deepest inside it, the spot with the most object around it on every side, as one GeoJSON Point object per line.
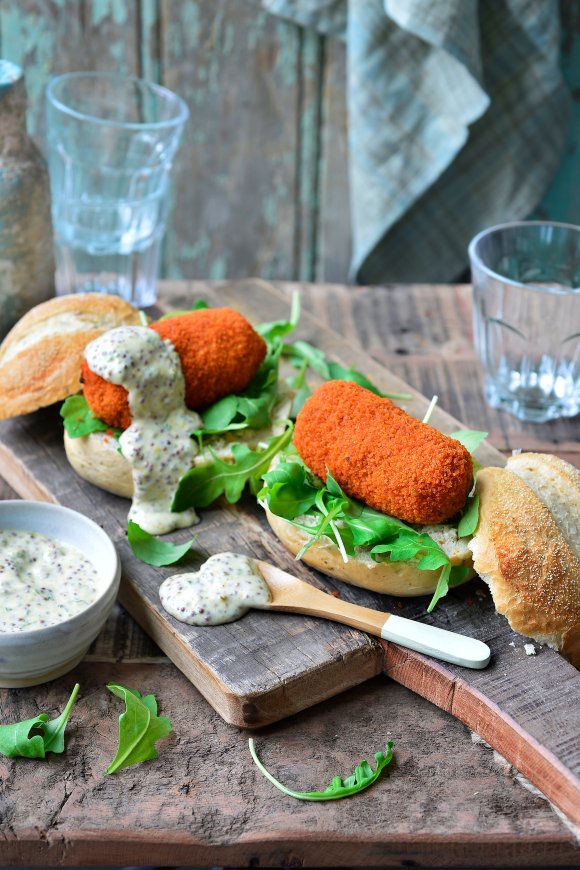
{"type": "Point", "coordinates": [111, 585]}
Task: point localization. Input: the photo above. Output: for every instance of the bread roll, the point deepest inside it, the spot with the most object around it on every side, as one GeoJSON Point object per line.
{"type": "Point", "coordinates": [557, 484]}
{"type": "Point", "coordinates": [40, 358]}
{"type": "Point", "coordinates": [531, 570]}
{"type": "Point", "coordinates": [390, 578]}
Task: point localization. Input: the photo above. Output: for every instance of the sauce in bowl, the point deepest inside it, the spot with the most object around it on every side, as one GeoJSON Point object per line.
{"type": "Point", "coordinates": [42, 581]}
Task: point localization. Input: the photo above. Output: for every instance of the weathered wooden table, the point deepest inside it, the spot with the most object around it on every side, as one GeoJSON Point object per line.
{"type": "Point", "coordinates": [446, 800]}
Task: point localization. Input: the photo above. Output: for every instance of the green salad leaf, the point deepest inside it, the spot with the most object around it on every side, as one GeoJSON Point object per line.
{"type": "Point", "coordinates": [292, 492]}
{"type": "Point", "coordinates": [79, 420]}
{"type": "Point", "coordinates": [302, 353]}
{"type": "Point", "coordinates": [201, 485]}
{"type": "Point", "coordinates": [18, 740]}
{"type": "Point", "coordinates": [277, 329]}
{"type": "Point", "coordinates": [250, 409]}
{"type": "Point", "coordinates": [470, 438]}
{"type": "Point", "coordinates": [139, 728]}
{"type": "Point", "coordinates": [362, 778]}
{"type": "Point", "coordinates": [469, 518]}
{"type": "Point", "coordinates": [198, 305]}
{"type": "Point", "coordinates": [151, 550]}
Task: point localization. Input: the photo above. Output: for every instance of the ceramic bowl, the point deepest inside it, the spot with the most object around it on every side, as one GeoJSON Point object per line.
{"type": "Point", "coordinates": [28, 658]}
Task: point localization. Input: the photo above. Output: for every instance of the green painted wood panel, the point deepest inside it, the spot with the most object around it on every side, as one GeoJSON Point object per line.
{"type": "Point", "coordinates": [261, 181]}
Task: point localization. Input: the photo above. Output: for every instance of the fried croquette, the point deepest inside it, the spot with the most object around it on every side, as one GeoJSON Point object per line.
{"type": "Point", "coordinates": [381, 456]}
{"type": "Point", "coordinates": [220, 353]}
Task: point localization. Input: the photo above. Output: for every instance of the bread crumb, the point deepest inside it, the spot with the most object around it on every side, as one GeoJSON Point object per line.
{"type": "Point", "coordinates": [530, 649]}
{"type": "Point", "coordinates": [512, 643]}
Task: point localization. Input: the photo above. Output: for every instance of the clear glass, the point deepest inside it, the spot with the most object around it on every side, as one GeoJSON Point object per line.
{"type": "Point", "coordinates": [526, 317]}
{"type": "Point", "coordinates": [111, 142]}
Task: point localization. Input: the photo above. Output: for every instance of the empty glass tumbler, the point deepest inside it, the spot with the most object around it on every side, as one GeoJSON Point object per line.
{"type": "Point", "coordinates": [111, 142]}
{"type": "Point", "coordinates": [526, 310]}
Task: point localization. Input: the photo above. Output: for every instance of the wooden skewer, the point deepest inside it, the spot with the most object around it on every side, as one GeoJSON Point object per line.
{"type": "Point", "coordinates": [294, 596]}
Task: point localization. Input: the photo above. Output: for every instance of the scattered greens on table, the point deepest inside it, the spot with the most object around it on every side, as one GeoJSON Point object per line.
{"type": "Point", "coordinates": [139, 728]}
{"type": "Point", "coordinates": [33, 738]}
{"type": "Point", "coordinates": [362, 777]}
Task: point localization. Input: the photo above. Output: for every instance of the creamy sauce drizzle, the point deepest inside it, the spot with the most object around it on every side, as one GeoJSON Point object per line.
{"type": "Point", "coordinates": [223, 590]}
{"type": "Point", "coordinates": [158, 443]}
{"type": "Point", "coordinates": [42, 581]}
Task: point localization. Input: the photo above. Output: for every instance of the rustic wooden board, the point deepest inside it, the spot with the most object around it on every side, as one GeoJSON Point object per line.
{"type": "Point", "coordinates": [268, 666]}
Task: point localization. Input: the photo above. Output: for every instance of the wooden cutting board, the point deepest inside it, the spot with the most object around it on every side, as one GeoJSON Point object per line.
{"type": "Point", "coordinates": [268, 666]}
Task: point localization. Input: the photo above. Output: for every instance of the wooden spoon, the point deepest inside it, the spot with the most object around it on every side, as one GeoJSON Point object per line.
{"type": "Point", "coordinates": [294, 596]}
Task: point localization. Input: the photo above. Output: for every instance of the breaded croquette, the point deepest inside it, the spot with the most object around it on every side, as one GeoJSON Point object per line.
{"type": "Point", "coordinates": [381, 456]}
{"type": "Point", "coordinates": [220, 353]}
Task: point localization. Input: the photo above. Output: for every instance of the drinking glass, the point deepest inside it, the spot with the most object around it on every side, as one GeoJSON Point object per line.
{"type": "Point", "coordinates": [526, 317]}
{"type": "Point", "coordinates": [111, 142]}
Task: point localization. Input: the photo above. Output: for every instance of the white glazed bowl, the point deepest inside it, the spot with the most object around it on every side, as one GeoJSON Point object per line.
{"type": "Point", "coordinates": [28, 658]}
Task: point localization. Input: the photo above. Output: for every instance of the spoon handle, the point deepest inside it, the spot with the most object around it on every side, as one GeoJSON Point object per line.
{"type": "Point", "coordinates": [293, 595]}
{"type": "Point", "coordinates": [437, 642]}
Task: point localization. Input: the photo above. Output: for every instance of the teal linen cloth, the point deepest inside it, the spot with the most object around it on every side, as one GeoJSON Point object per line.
{"type": "Point", "coordinates": [458, 115]}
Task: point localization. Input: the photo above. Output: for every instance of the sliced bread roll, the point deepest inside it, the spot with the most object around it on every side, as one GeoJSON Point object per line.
{"type": "Point", "coordinates": [403, 579]}
{"type": "Point", "coordinates": [557, 484]}
{"type": "Point", "coordinates": [40, 358]}
{"type": "Point", "coordinates": [531, 569]}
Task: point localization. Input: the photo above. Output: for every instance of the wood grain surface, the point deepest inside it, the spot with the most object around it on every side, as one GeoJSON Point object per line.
{"type": "Point", "coordinates": [202, 802]}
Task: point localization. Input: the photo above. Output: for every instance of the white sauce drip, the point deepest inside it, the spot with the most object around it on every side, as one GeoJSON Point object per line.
{"type": "Point", "coordinates": [223, 590]}
{"type": "Point", "coordinates": [42, 581]}
{"type": "Point", "coordinates": [158, 443]}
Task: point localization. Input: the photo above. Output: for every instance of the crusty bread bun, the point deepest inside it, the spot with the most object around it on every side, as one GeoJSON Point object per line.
{"type": "Point", "coordinates": [531, 569]}
{"type": "Point", "coordinates": [40, 358]}
{"type": "Point", "coordinates": [557, 484]}
{"type": "Point", "coordinates": [389, 578]}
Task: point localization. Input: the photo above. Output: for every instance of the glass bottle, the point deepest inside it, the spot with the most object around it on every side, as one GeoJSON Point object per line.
{"type": "Point", "coordinates": [26, 252]}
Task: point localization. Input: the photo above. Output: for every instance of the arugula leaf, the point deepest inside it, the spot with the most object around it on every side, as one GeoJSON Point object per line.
{"type": "Point", "coordinates": [277, 329]}
{"type": "Point", "coordinates": [201, 485]}
{"type": "Point", "coordinates": [362, 777]}
{"type": "Point", "coordinates": [250, 409]}
{"type": "Point", "coordinates": [289, 490]}
{"type": "Point", "coordinates": [470, 438]}
{"type": "Point", "coordinates": [79, 420]}
{"type": "Point", "coordinates": [54, 730]}
{"type": "Point", "coordinates": [300, 352]}
{"type": "Point", "coordinates": [16, 740]}
{"type": "Point", "coordinates": [470, 518]}
{"type": "Point", "coordinates": [139, 728]}
{"type": "Point", "coordinates": [292, 492]}
{"type": "Point", "coordinates": [197, 306]}
{"type": "Point", "coordinates": [451, 575]}
{"type": "Point", "coordinates": [151, 550]}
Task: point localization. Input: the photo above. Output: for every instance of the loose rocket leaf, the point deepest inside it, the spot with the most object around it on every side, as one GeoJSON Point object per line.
{"type": "Point", "coordinates": [139, 728]}
{"type": "Point", "coordinates": [362, 777]}
{"type": "Point", "coordinates": [151, 550]}
{"type": "Point", "coordinates": [54, 730]}
{"type": "Point", "coordinates": [18, 741]}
